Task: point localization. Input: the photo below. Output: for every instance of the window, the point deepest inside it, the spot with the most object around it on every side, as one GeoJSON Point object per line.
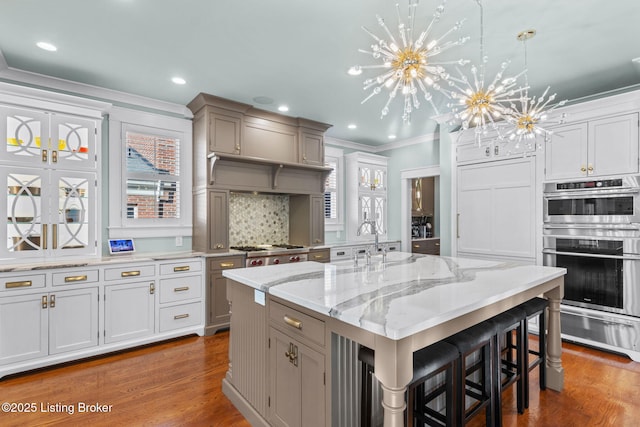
{"type": "Point", "coordinates": [333, 190]}
{"type": "Point", "coordinates": [150, 179]}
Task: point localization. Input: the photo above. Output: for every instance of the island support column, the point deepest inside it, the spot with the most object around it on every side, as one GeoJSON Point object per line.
{"type": "Point", "coordinates": [554, 370]}
{"type": "Point", "coordinates": [394, 370]}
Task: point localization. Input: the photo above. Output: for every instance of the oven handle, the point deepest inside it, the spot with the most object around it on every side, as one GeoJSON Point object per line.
{"type": "Point", "coordinates": [582, 226]}
{"type": "Point", "coordinates": [579, 254]}
{"type": "Point", "coordinates": [591, 194]}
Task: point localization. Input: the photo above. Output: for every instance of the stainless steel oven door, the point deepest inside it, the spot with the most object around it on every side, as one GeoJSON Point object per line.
{"type": "Point", "coordinates": [603, 273]}
{"type": "Point", "coordinates": [605, 207]}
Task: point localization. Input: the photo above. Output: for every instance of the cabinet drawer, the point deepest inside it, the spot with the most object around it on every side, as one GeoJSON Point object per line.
{"type": "Point", "coordinates": [24, 282]}
{"type": "Point", "coordinates": [133, 271]}
{"type": "Point", "coordinates": [340, 254]}
{"type": "Point", "coordinates": [75, 277]}
{"type": "Point", "coordinates": [226, 263]}
{"type": "Point", "coordinates": [323, 255]}
{"type": "Point", "coordinates": [180, 316]}
{"type": "Point", "coordinates": [293, 322]}
{"type": "Point", "coordinates": [180, 288]}
{"type": "Point", "coordinates": [185, 266]}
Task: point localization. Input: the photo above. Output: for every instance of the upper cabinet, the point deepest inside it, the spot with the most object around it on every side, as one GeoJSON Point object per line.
{"type": "Point", "coordinates": [49, 165]}
{"type": "Point", "coordinates": [599, 147]}
{"type": "Point", "coordinates": [48, 140]}
{"type": "Point", "coordinates": [366, 185]}
{"type": "Point", "coordinates": [230, 127]}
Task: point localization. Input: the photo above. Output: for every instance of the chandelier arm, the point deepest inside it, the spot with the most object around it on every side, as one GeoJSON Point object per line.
{"type": "Point", "coordinates": [401, 27]}
{"type": "Point", "coordinates": [386, 29]}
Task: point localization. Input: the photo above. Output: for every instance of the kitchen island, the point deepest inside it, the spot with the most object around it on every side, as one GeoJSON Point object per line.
{"type": "Point", "coordinates": [285, 318]}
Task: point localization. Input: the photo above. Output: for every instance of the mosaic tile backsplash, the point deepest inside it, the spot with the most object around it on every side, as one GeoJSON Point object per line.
{"type": "Point", "coordinates": [258, 219]}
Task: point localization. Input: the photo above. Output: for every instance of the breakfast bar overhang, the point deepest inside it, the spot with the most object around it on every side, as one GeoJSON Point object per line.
{"type": "Point", "coordinates": [395, 305]}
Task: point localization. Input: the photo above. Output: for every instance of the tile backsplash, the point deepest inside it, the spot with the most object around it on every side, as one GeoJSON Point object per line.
{"type": "Point", "coordinates": [257, 219]}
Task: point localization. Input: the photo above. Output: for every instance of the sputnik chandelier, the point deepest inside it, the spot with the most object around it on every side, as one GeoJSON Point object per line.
{"type": "Point", "coordinates": [475, 104]}
{"type": "Point", "coordinates": [407, 61]}
{"type": "Point", "coordinates": [525, 122]}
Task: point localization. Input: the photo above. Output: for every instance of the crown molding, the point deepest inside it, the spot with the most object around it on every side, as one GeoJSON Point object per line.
{"type": "Point", "coordinates": [42, 81]}
{"type": "Point", "coordinates": [343, 143]}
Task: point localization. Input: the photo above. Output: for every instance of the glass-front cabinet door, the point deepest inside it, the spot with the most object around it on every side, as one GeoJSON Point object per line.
{"type": "Point", "coordinates": [73, 143]}
{"type": "Point", "coordinates": [73, 228]}
{"type": "Point", "coordinates": [48, 213]}
{"type": "Point", "coordinates": [25, 135]}
{"type": "Point", "coordinates": [54, 140]}
{"type": "Point", "coordinates": [26, 227]}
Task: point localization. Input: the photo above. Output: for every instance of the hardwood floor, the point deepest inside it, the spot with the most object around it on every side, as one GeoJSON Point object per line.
{"type": "Point", "coordinates": [178, 383]}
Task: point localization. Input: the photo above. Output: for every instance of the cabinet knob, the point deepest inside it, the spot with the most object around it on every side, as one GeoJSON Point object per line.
{"type": "Point", "coordinates": [590, 168]}
{"type": "Point", "coordinates": [487, 151]}
{"type": "Point", "coordinates": [583, 169]}
{"type": "Point", "coordinates": [219, 246]}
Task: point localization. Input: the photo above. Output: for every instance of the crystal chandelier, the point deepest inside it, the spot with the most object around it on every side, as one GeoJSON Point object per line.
{"type": "Point", "coordinates": [476, 104]}
{"type": "Point", "coordinates": [525, 121]}
{"type": "Point", "coordinates": [407, 61]}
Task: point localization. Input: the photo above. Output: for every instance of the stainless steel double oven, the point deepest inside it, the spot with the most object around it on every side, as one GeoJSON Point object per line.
{"type": "Point", "coordinates": [592, 228]}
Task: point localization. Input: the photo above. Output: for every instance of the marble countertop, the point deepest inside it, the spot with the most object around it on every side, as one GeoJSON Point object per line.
{"type": "Point", "coordinates": [12, 265]}
{"type": "Point", "coordinates": [408, 293]}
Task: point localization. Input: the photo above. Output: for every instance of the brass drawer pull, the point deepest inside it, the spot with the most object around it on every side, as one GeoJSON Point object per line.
{"type": "Point", "coordinates": [180, 316]}
{"type": "Point", "coordinates": [227, 264]}
{"type": "Point", "coordinates": [181, 289]}
{"type": "Point", "coordinates": [75, 278]}
{"type": "Point", "coordinates": [292, 322]}
{"type": "Point", "coordinates": [416, 246]}
{"type": "Point", "coordinates": [130, 273]}
{"type": "Point", "coordinates": [318, 256]}
{"type": "Point", "coordinates": [183, 268]}
{"type": "Point", "coordinates": [23, 284]}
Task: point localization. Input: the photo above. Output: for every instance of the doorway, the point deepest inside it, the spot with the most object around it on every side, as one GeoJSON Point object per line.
{"type": "Point", "coordinates": [407, 182]}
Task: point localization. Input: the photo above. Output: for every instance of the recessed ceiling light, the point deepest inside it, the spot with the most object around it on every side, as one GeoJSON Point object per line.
{"type": "Point", "coordinates": [352, 126]}
{"type": "Point", "coordinates": [46, 46]}
{"type": "Point", "coordinates": [283, 108]}
{"type": "Point", "coordinates": [392, 137]}
{"type": "Point", "coordinates": [178, 80]}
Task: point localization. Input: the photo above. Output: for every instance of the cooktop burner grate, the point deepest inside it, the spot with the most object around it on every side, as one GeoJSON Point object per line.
{"type": "Point", "coordinates": [287, 246]}
{"type": "Point", "coordinates": [248, 248]}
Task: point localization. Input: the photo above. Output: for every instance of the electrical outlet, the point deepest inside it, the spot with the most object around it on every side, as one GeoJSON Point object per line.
{"type": "Point", "coordinates": [178, 240]}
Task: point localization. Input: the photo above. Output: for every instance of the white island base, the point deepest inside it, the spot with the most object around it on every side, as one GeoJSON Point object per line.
{"type": "Point", "coordinates": [282, 365]}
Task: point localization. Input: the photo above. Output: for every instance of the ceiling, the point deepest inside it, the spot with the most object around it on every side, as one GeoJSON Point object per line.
{"type": "Point", "coordinates": [297, 52]}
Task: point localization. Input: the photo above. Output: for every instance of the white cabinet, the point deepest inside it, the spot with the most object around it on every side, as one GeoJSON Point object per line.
{"type": "Point", "coordinates": [366, 184]}
{"type": "Point", "coordinates": [496, 209]}
{"type": "Point", "coordinates": [48, 162]}
{"type": "Point", "coordinates": [37, 325]}
{"type": "Point", "coordinates": [58, 314]}
{"type": "Point", "coordinates": [599, 147]}
{"type": "Point", "coordinates": [129, 311]}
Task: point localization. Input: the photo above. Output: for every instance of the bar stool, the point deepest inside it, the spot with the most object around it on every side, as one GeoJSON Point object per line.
{"type": "Point", "coordinates": [513, 369]}
{"type": "Point", "coordinates": [474, 340]}
{"type": "Point", "coordinates": [535, 307]}
{"type": "Point", "coordinates": [427, 363]}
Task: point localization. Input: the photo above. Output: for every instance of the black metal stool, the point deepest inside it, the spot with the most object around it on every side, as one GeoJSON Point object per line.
{"type": "Point", "coordinates": [476, 339]}
{"type": "Point", "coordinates": [512, 368]}
{"type": "Point", "coordinates": [532, 308]}
{"type": "Point", "coordinates": [427, 363]}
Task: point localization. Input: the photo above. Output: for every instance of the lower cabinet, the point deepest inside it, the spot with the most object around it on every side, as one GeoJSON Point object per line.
{"type": "Point", "coordinates": [297, 383]}
{"type": "Point", "coordinates": [56, 315]}
{"type": "Point", "coordinates": [297, 366]}
{"type": "Point", "coordinates": [427, 246]}
{"type": "Point", "coordinates": [129, 310]}
{"type": "Point", "coordinates": [320, 255]}
{"type": "Point", "coordinates": [217, 304]}
{"type": "Point", "coordinates": [37, 325]}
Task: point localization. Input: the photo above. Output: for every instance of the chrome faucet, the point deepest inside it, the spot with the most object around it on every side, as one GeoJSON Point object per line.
{"type": "Point", "coordinates": [374, 231]}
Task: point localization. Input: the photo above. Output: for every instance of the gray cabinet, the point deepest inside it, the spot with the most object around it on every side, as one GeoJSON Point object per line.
{"type": "Point", "coordinates": [211, 221]}
{"type": "Point", "coordinates": [297, 362]}
{"type": "Point", "coordinates": [265, 137]}
{"type": "Point", "coordinates": [217, 304]}
{"type": "Point", "coordinates": [311, 146]}
{"type": "Point", "coordinates": [223, 132]}
{"type": "Point", "coordinates": [306, 219]}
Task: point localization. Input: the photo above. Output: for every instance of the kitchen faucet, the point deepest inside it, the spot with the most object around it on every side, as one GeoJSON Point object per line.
{"type": "Point", "coordinates": [374, 231]}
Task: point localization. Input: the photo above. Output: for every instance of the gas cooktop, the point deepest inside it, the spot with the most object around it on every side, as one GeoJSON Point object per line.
{"type": "Point", "coordinates": [266, 247]}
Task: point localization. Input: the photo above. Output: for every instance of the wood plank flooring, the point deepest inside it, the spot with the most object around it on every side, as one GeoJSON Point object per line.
{"type": "Point", "coordinates": [178, 383]}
